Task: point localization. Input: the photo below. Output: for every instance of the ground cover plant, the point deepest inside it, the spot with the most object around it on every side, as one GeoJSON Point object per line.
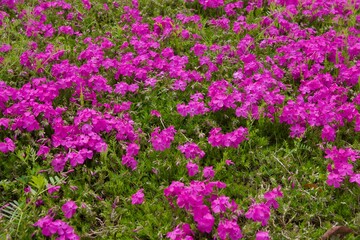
{"type": "Point", "coordinates": [179, 119]}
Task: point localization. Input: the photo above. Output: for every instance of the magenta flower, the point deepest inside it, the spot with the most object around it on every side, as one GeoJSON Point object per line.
{"type": "Point", "coordinates": [211, 3]}
{"type": "Point", "coordinates": [202, 216]}
{"type": "Point", "coordinates": [191, 151]}
{"type": "Point", "coordinates": [271, 197]}
{"type": "Point", "coordinates": [229, 162]}
{"type": "Point", "coordinates": [328, 134]}
{"type": "Point", "coordinates": [155, 113]}
{"type": "Point", "coordinates": [43, 151]}
{"type": "Point", "coordinates": [229, 229]}
{"type": "Point", "coordinates": [259, 213]}
{"type": "Point", "coordinates": [262, 235]}
{"type": "Point", "coordinates": [138, 197]}
{"type": "Point", "coordinates": [199, 49]}
{"type": "Point", "coordinates": [39, 202]}
{"type": "Point", "coordinates": [59, 162]}
{"type": "Point", "coordinates": [45, 224]}
{"type": "Point", "coordinates": [341, 166]}
{"type": "Point", "coordinates": [334, 180]}
{"type": "Point", "coordinates": [52, 189]}
{"type": "Point", "coordinates": [27, 189]}
{"type": "Point", "coordinates": [7, 146]}
{"type": "Point", "coordinates": [220, 204]}
{"type": "Point", "coordinates": [231, 139]}
{"type": "Point", "coordinates": [355, 178]}
{"type": "Point", "coordinates": [132, 149]}
{"type": "Point", "coordinates": [208, 172]}
{"type": "Point", "coordinates": [87, 4]}
{"type": "Point", "coordinates": [129, 161]}
{"type": "Point", "coordinates": [162, 140]}
{"type": "Point", "coordinates": [192, 168]}
{"type": "Point", "coordinates": [69, 209]}
{"type": "Point", "coordinates": [49, 227]}
{"type": "Point", "coordinates": [182, 231]}
{"type": "Point", "coordinates": [5, 48]}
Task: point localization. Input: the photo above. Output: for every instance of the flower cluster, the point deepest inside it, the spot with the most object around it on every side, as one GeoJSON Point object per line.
{"type": "Point", "coordinates": [222, 209]}
{"type": "Point", "coordinates": [231, 139]}
{"type": "Point", "coordinates": [69, 209]}
{"type": "Point", "coordinates": [138, 197]}
{"type": "Point", "coordinates": [7, 146]}
{"type": "Point", "coordinates": [162, 140]}
{"type": "Point", "coordinates": [220, 96]}
{"type": "Point", "coordinates": [341, 166]}
{"type": "Point", "coordinates": [211, 3]}
{"type": "Point", "coordinates": [50, 227]}
{"type": "Point", "coordinates": [194, 107]}
{"type": "Point", "coordinates": [181, 231]}
{"type": "Point", "coordinates": [192, 198]}
{"type": "Point", "coordinates": [191, 151]}
{"type": "Point", "coordinates": [260, 212]}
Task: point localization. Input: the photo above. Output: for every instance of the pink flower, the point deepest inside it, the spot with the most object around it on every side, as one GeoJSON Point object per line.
{"type": "Point", "coordinates": [208, 172]}
{"type": "Point", "coordinates": [355, 178]}
{"type": "Point", "coordinates": [328, 134]}
{"type": "Point", "coordinates": [211, 3]}
{"type": "Point", "coordinates": [39, 202]}
{"type": "Point", "coordinates": [220, 204]}
{"type": "Point", "coordinates": [162, 140]}
{"type": "Point", "coordinates": [229, 162]}
{"type": "Point", "coordinates": [182, 231]}
{"type": "Point", "coordinates": [199, 49]}
{"type": "Point", "coordinates": [297, 131]}
{"type": "Point", "coordinates": [192, 168]}
{"type": "Point", "coordinates": [138, 197]}
{"type": "Point", "coordinates": [334, 179]}
{"type": "Point", "coordinates": [58, 163]}
{"type": "Point", "coordinates": [229, 229]}
{"type": "Point", "coordinates": [5, 48]}
{"type": "Point", "coordinates": [204, 219]}
{"type": "Point", "coordinates": [262, 235]}
{"type": "Point", "coordinates": [66, 30]}
{"type": "Point", "coordinates": [52, 189]}
{"type": "Point", "coordinates": [150, 82]}
{"type": "Point", "coordinates": [259, 213]}
{"type": "Point", "coordinates": [129, 161]}
{"type": "Point", "coordinates": [69, 209]}
{"type": "Point", "coordinates": [271, 197]}
{"type": "Point", "coordinates": [43, 151]}
{"type": "Point", "coordinates": [155, 113]}
{"type": "Point", "coordinates": [87, 4]}
{"type": "Point", "coordinates": [49, 227]}
{"type": "Point", "coordinates": [27, 189]}
{"type": "Point", "coordinates": [231, 139]}
{"type": "Point", "coordinates": [191, 151]}
{"type": "Point", "coordinates": [7, 146]}
{"type": "Point", "coordinates": [185, 34]}
{"type": "Point", "coordinates": [45, 224]}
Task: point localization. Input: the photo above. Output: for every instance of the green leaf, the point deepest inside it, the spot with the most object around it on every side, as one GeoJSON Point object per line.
{"type": "Point", "coordinates": [38, 182]}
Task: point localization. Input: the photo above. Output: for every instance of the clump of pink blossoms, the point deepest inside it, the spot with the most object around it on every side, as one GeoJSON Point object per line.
{"type": "Point", "coordinates": [138, 197]}
{"type": "Point", "coordinates": [69, 209]}
{"type": "Point", "coordinates": [162, 140]}
{"type": "Point", "coordinates": [50, 227]}
{"type": "Point", "coordinates": [191, 151]}
{"type": "Point", "coordinates": [231, 139]}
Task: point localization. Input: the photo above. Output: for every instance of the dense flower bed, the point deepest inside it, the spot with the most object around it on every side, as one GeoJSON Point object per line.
{"type": "Point", "coordinates": [184, 88]}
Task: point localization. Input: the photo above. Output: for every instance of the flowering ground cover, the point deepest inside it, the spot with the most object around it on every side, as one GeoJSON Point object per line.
{"type": "Point", "coordinates": [179, 119]}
